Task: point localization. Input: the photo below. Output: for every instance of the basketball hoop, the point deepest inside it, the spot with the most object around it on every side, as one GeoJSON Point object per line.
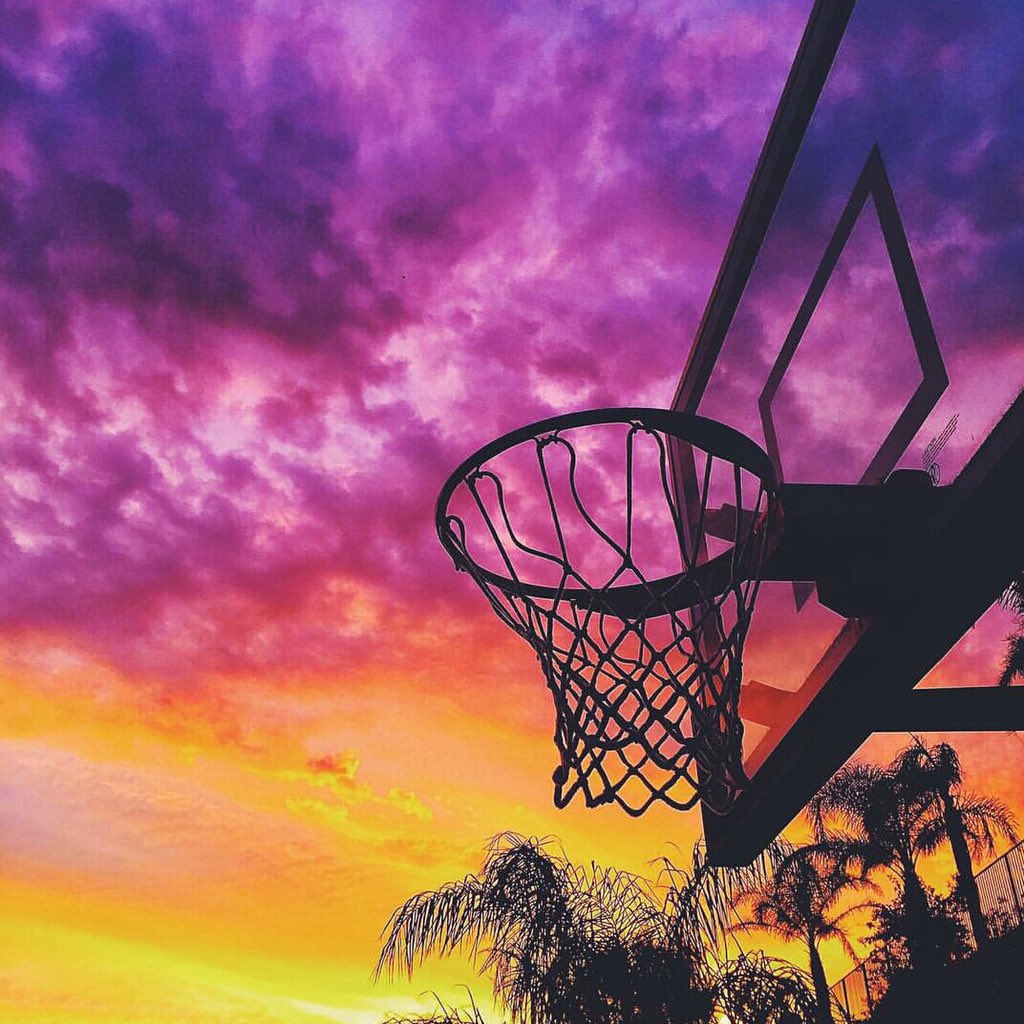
{"type": "Point", "coordinates": [634, 592]}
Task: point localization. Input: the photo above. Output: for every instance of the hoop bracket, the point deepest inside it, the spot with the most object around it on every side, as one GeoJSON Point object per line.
{"type": "Point", "coordinates": [851, 539]}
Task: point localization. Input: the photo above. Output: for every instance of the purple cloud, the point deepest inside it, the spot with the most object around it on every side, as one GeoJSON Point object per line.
{"type": "Point", "coordinates": [264, 281]}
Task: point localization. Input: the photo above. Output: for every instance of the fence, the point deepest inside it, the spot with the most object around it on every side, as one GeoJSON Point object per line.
{"type": "Point", "coordinates": [1001, 890]}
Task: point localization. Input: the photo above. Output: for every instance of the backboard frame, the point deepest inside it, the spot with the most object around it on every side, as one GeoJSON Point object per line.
{"type": "Point", "coordinates": [865, 680]}
{"type": "Point", "coordinates": [869, 672]}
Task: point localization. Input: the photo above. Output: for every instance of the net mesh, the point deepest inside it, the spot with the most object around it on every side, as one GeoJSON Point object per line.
{"type": "Point", "coordinates": [637, 613]}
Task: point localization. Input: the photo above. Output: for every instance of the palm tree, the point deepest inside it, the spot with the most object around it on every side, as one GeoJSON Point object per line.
{"type": "Point", "coordinates": [566, 944]}
{"type": "Point", "coordinates": [700, 902]}
{"type": "Point", "coordinates": [968, 822]}
{"type": "Point", "coordinates": [563, 944]}
{"type": "Point", "coordinates": [798, 903]}
{"type": "Point", "coordinates": [1013, 663]}
{"type": "Point", "coordinates": [757, 989]}
{"type": "Point", "coordinates": [875, 818]}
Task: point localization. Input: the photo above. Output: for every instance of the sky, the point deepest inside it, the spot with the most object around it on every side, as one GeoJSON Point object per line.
{"type": "Point", "coordinates": [268, 272]}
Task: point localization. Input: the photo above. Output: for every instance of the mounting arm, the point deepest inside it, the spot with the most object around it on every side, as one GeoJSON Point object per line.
{"type": "Point", "coordinates": [852, 540]}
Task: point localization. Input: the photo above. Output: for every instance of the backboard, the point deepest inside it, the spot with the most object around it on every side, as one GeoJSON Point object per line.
{"type": "Point", "coordinates": [868, 316]}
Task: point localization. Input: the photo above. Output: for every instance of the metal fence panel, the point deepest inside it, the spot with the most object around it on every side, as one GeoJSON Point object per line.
{"type": "Point", "coordinates": [1000, 893]}
{"type": "Point", "coordinates": [1001, 890]}
{"type": "Point", "coordinates": [857, 997]}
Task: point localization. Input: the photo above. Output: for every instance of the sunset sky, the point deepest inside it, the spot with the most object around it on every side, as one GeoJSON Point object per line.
{"type": "Point", "coordinates": [268, 270]}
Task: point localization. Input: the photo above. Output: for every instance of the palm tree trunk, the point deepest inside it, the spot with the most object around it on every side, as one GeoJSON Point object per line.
{"type": "Point", "coordinates": [915, 904]}
{"type": "Point", "coordinates": [965, 883]}
{"type": "Point", "coordinates": [822, 995]}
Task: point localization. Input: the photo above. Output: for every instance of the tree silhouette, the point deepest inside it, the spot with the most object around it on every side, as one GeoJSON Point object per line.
{"type": "Point", "coordinates": [752, 988]}
{"type": "Point", "coordinates": [876, 818]}
{"type": "Point", "coordinates": [943, 934]}
{"type": "Point", "coordinates": [562, 944]}
{"type": "Point", "coordinates": [969, 823]}
{"type": "Point", "coordinates": [700, 902]}
{"type": "Point", "coordinates": [1013, 662]}
{"type": "Point", "coordinates": [565, 945]}
{"type": "Point", "coordinates": [757, 989]}
{"type": "Point", "coordinates": [797, 903]}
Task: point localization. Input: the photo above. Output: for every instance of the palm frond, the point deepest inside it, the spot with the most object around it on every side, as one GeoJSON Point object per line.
{"type": "Point", "coordinates": [766, 926]}
{"type": "Point", "coordinates": [560, 942]}
{"type": "Point", "coordinates": [985, 818]}
{"type": "Point", "coordinates": [836, 928]}
{"type": "Point", "coordinates": [758, 989]}
{"type": "Point", "coordinates": [931, 834]}
{"type": "Point", "coordinates": [438, 922]}
{"type": "Point", "coordinates": [1013, 596]}
{"type": "Point", "coordinates": [845, 799]}
{"type": "Point", "coordinates": [1013, 661]}
{"type": "Point", "coordinates": [703, 900]}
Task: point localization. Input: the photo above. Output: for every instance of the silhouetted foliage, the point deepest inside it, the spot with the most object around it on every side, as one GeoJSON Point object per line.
{"type": "Point", "coordinates": [442, 1015]}
{"type": "Point", "coordinates": [942, 932]}
{"type": "Point", "coordinates": [979, 985]}
{"type": "Point", "coordinates": [798, 903]}
{"type": "Point", "coordinates": [757, 989]}
{"type": "Point", "coordinates": [1013, 662]}
{"type": "Point", "coordinates": [874, 818]}
{"type": "Point", "coordinates": [968, 822]}
{"type": "Point", "coordinates": [701, 902]}
{"type": "Point", "coordinates": [1013, 596]}
{"type": "Point", "coordinates": [562, 944]}
{"type": "Point", "coordinates": [565, 944]}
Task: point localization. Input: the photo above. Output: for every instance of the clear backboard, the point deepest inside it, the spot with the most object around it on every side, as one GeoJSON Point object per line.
{"type": "Point", "coordinates": [869, 316]}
